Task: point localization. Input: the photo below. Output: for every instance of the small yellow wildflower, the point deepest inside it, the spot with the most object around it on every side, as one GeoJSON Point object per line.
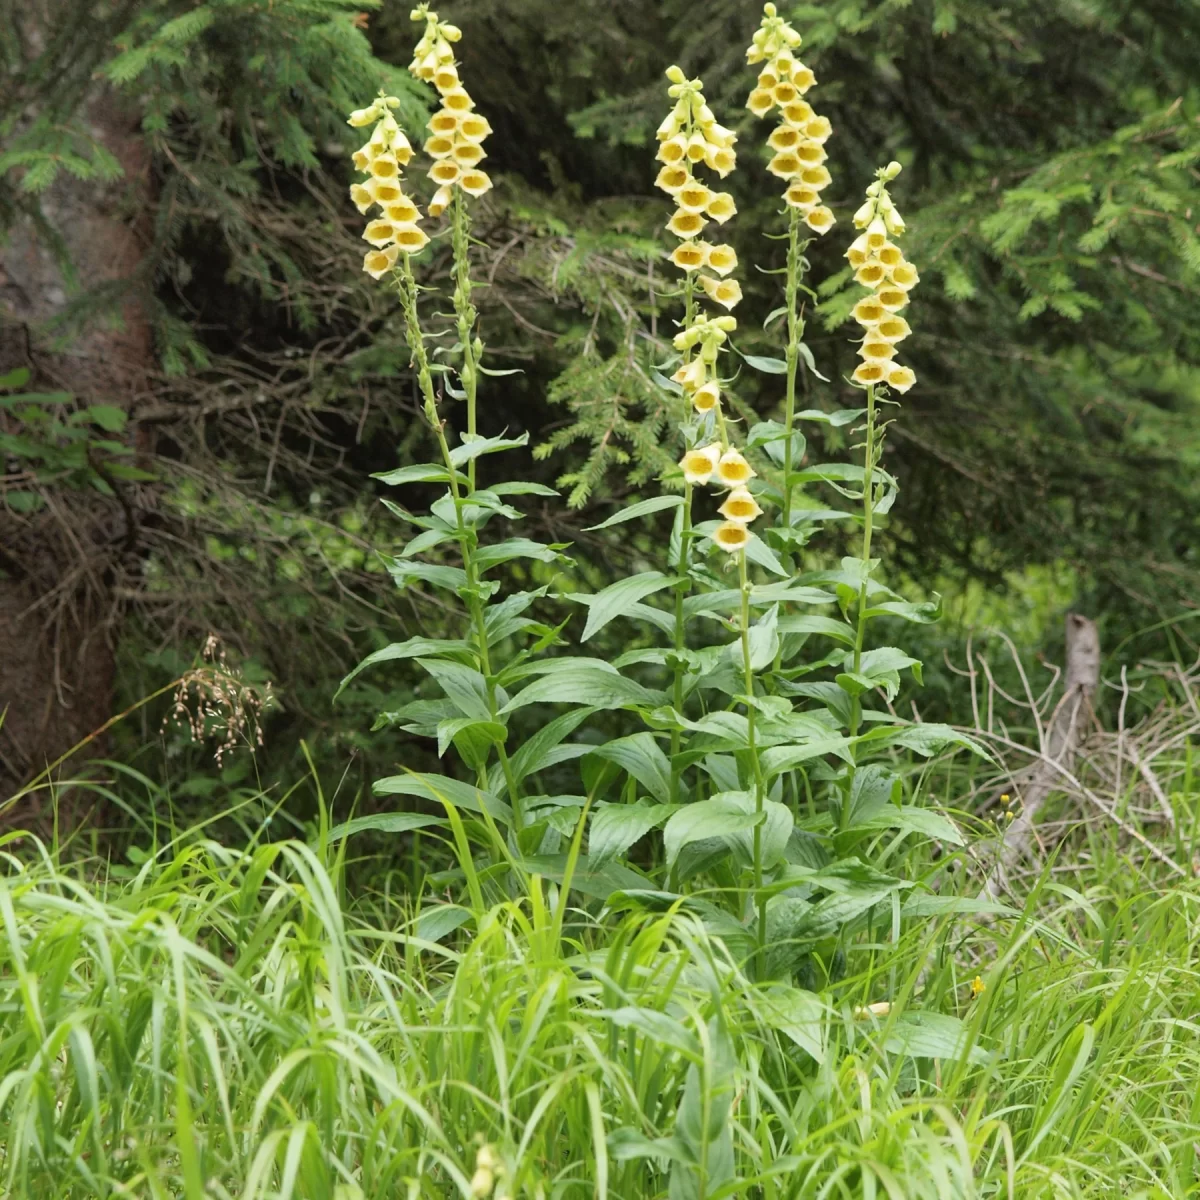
{"type": "Point", "coordinates": [978, 987]}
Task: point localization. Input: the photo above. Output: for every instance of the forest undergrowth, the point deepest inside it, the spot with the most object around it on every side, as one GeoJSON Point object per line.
{"type": "Point", "coordinates": [705, 916]}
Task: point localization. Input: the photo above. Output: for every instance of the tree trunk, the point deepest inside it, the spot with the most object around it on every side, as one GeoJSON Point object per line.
{"type": "Point", "coordinates": [57, 617]}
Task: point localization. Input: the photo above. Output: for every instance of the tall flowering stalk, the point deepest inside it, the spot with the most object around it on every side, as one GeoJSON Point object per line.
{"type": "Point", "coordinates": [690, 135]}
{"type": "Point", "coordinates": [879, 264]}
{"type": "Point", "coordinates": [799, 160]}
{"type": "Point", "coordinates": [455, 144]}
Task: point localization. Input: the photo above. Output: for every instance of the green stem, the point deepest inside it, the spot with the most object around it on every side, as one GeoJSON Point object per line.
{"type": "Point", "coordinates": [466, 315]}
{"type": "Point", "coordinates": [759, 783]}
{"type": "Point", "coordinates": [870, 454]}
{"type": "Point", "coordinates": [681, 588]}
{"type": "Point", "coordinates": [466, 535]}
{"type": "Point", "coordinates": [795, 333]}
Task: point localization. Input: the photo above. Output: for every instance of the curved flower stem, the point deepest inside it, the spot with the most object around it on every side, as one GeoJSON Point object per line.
{"type": "Point", "coordinates": [759, 783]}
{"type": "Point", "coordinates": [466, 535]}
{"type": "Point", "coordinates": [870, 457]}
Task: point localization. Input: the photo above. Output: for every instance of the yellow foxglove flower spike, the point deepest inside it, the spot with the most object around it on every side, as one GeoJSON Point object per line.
{"type": "Point", "coordinates": [398, 230]}
{"type": "Point", "coordinates": [880, 265]}
{"type": "Point", "coordinates": [458, 132]}
{"type": "Point", "coordinates": [799, 140]}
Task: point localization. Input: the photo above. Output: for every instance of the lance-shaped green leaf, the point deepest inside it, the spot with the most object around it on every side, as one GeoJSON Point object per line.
{"type": "Point", "coordinates": [642, 757]}
{"type": "Point", "coordinates": [932, 738]}
{"type": "Point", "coordinates": [584, 685]}
{"type": "Point", "coordinates": [521, 487]}
{"type": "Point", "coordinates": [413, 648]}
{"type": "Point", "coordinates": [487, 557]}
{"type": "Point", "coordinates": [840, 631]}
{"type": "Point", "coordinates": [538, 751]}
{"type": "Point", "coordinates": [440, 789]}
{"type": "Point", "coordinates": [783, 758]}
{"type": "Point", "coordinates": [473, 446]}
{"type": "Point", "coordinates": [912, 819]}
{"type": "Point", "coordinates": [401, 822]}
{"type": "Point", "coordinates": [773, 835]}
{"type": "Point", "coordinates": [405, 571]}
{"type": "Point", "coordinates": [643, 508]}
{"type": "Point", "coordinates": [619, 598]}
{"type": "Point", "coordinates": [932, 1035]}
{"type": "Point", "coordinates": [417, 473]}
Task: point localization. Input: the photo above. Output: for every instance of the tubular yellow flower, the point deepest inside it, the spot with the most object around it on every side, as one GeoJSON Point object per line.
{"type": "Point", "coordinates": [384, 166]}
{"type": "Point", "coordinates": [731, 536]}
{"type": "Point", "coordinates": [474, 128]}
{"type": "Point", "coordinates": [900, 377]}
{"type": "Point", "coordinates": [446, 172]}
{"type": "Point", "coordinates": [819, 219]}
{"type": "Point", "coordinates": [362, 197]}
{"type": "Point", "coordinates": [699, 464]}
{"type": "Point", "coordinates": [475, 183]}
{"type": "Point", "coordinates": [693, 197]}
{"type": "Point", "coordinates": [733, 470]}
{"type": "Point", "coordinates": [403, 212]}
{"type": "Point", "coordinates": [720, 159]}
{"type": "Point", "coordinates": [673, 150]}
{"type": "Point", "coordinates": [726, 292]}
{"type": "Point", "coordinates": [686, 224]}
{"type": "Point", "coordinates": [740, 507]}
{"type": "Point", "coordinates": [707, 398]}
{"type": "Point", "coordinates": [439, 146]}
{"type": "Point", "coordinates": [690, 256]}
{"type": "Point", "coordinates": [721, 207]}
{"type": "Point", "coordinates": [440, 202]}
{"type": "Point", "coordinates": [378, 262]}
{"type": "Point", "coordinates": [672, 179]}
{"type": "Point", "coordinates": [467, 154]}
{"type": "Point", "coordinates": [722, 259]}
{"type": "Point", "coordinates": [379, 233]}
{"type": "Point", "coordinates": [410, 238]}
{"type": "Point", "coordinates": [801, 196]}
{"type": "Point", "coordinates": [892, 329]}
{"type": "Point", "coordinates": [444, 122]}
{"type": "Point", "coordinates": [383, 191]}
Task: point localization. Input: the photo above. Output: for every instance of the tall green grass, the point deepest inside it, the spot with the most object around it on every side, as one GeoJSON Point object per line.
{"type": "Point", "coordinates": [223, 1022]}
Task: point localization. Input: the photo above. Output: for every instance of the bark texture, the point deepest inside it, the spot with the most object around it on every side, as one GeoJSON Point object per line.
{"type": "Point", "coordinates": [57, 626]}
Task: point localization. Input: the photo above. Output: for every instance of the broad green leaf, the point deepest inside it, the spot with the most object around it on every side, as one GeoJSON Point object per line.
{"type": "Point", "coordinates": [914, 820]}
{"type": "Point", "coordinates": [616, 827]}
{"type": "Point", "coordinates": [486, 734]}
{"type": "Point", "coordinates": [642, 757]}
{"type": "Point", "coordinates": [618, 598]}
{"type": "Point", "coordinates": [770, 366]}
{"type": "Point", "coordinates": [414, 648]}
{"type": "Point", "coordinates": [465, 686]}
{"type": "Point", "coordinates": [474, 446]}
{"type": "Point", "coordinates": [641, 509]}
{"type": "Point", "coordinates": [798, 1014]}
{"type": "Point", "coordinates": [842, 416]}
{"type": "Point", "coordinates": [661, 1029]}
{"type": "Point", "coordinates": [774, 830]}
{"type": "Point", "coordinates": [924, 613]}
{"type": "Point", "coordinates": [715, 818]}
{"type": "Point", "coordinates": [931, 739]}
{"type": "Point", "coordinates": [440, 920]}
{"type": "Point", "coordinates": [520, 487]}
{"type": "Point", "coordinates": [829, 915]}
{"type": "Point", "coordinates": [533, 753]}
{"type": "Point", "coordinates": [783, 758]}
{"type": "Point", "coordinates": [583, 686]}
{"type": "Point", "coordinates": [931, 1035]}
{"type": "Point", "coordinates": [840, 631]}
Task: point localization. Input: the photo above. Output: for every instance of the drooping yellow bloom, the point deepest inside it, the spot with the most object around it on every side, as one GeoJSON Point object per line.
{"type": "Point", "coordinates": [740, 507]}
{"type": "Point", "coordinates": [799, 140]}
{"type": "Point", "coordinates": [382, 159]}
{"type": "Point", "coordinates": [733, 470]}
{"type": "Point", "coordinates": [880, 265]}
{"type": "Point", "coordinates": [698, 465]}
{"type": "Point", "coordinates": [458, 132]}
{"type": "Point", "coordinates": [731, 536]}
